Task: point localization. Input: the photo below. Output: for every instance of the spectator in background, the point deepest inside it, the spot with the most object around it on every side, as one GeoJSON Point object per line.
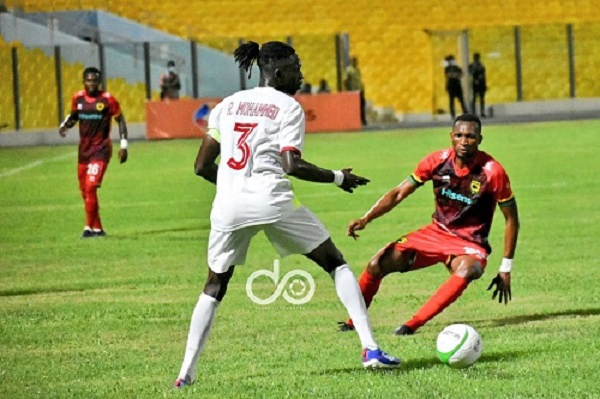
{"type": "Point", "coordinates": [477, 72]}
{"type": "Point", "coordinates": [94, 109]}
{"type": "Point", "coordinates": [169, 83]}
{"type": "Point", "coordinates": [306, 88]}
{"type": "Point", "coordinates": [354, 83]}
{"type": "Point", "coordinates": [324, 87]}
{"type": "Point", "coordinates": [453, 84]}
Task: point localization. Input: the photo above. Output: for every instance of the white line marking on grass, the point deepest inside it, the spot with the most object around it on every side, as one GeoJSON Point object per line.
{"type": "Point", "coordinates": [32, 165]}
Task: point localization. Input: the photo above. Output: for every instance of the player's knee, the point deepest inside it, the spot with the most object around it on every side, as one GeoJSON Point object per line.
{"type": "Point", "coordinates": [89, 190]}
{"type": "Point", "coordinates": [470, 270]}
{"type": "Point", "coordinates": [390, 261]}
{"type": "Point", "coordinates": [327, 256]}
{"type": "Point", "coordinates": [475, 271]}
{"type": "Point", "coordinates": [373, 268]}
{"type": "Point", "coordinates": [216, 284]}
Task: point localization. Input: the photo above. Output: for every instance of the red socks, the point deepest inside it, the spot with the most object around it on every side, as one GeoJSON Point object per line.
{"type": "Point", "coordinates": [92, 209]}
{"type": "Point", "coordinates": [369, 285]}
{"type": "Point", "coordinates": [445, 295]}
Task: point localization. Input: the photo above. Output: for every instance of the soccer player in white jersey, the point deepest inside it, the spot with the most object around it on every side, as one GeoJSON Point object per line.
{"type": "Point", "coordinates": [259, 134]}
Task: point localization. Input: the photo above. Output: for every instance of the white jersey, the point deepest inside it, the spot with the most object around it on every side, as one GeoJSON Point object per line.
{"type": "Point", "coordinates": [254, 127]}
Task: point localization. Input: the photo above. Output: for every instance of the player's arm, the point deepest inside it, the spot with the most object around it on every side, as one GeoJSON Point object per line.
{"type": "Point", "coordinates": [511, 229]}
{"type": "Point", "coordinates": [68, 123]}
{"type": "Point", "coordinates": [205, 165]}
{"type": "Point", "coordinates": [511, 233]}
{"type": "Point", "coordinates": [123, 136]}
{"type": "Point", "coordinates": [385, 204]}
{"type": "Point", "coordinates": [294, 165]}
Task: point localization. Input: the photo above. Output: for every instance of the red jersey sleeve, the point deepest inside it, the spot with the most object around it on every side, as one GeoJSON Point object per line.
{"type": "Point", "coordinates": [499, 183]}
{"type": "Point", "coordinates": [425, 168]}
{"type": "Point", "coordinates": [75, 99]}
{"type": "Point", "coordinates": [114, 109]}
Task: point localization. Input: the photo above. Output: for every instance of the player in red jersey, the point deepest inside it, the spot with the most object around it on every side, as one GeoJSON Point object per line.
{"type": "Point", "coordinates": [93, 109]}
{"type": "Point", "coordinates": [467, 184]}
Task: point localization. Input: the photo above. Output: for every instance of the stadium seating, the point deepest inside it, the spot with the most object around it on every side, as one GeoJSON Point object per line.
{"type": "Point", "coordinates": [38, 89]}
{"type": "Point", "coordinates": [7, 109]}
{"type": "Point", "coordinates": [587, 59]}
{"type": "Point", "coordinates": [400, 43]}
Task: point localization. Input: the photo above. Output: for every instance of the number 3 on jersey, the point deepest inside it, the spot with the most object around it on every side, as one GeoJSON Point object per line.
{"type": "Point", "coordinates": [245, 129]}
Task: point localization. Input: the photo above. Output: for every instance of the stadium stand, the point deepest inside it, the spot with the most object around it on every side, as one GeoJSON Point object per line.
{"type": "Point", "coordinates": [7, 108]}
{"type": "Point", "coordinates": [400, 43]}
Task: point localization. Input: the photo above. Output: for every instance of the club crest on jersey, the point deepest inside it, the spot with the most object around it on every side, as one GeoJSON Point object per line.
{"type": "Point", "coordinates": [475, 186]}
{"type": "Point", "coordinates": [401, 240]}
{"type": "Point", "coordinates": [100, 106]}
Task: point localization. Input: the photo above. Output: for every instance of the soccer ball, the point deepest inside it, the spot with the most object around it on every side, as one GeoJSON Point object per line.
{"type": "Point", "coordinates": [459, 346]}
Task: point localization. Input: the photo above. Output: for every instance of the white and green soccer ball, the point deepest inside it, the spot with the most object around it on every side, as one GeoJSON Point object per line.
{"type": "Point", "coordinates": [459, 346]}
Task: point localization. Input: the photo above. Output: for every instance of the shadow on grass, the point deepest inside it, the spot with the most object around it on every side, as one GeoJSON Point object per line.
{"type": "Point", "coordinates": [503, 355]}
{"type": "Point", "coordinates": [57, 290]}
{"type": "Point", "coordinates": [544, 316]}
{"type": "Point", "coordinates": [40, 290]}
{"type": "Point", "coordinates": [166, 233]}
{"type": "Point", "coordinates": [422, 364]}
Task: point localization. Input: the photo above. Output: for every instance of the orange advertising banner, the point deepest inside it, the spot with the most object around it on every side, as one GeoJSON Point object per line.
{"type": "Point", "coordinates": [331, 112]}
{"type": "Point", "coordinates": [188, 118]}
{"type": "Point", "coordinates": [178, 119]}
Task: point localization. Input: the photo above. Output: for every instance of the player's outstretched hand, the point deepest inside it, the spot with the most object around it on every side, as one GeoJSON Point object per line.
{"type": "Point", "coordinates": [351, 181]}
{"type": "Point", "coordinates": [502, 290]}
{"type": "Point", "coordinates": [353, 226]}
{"type": "Point", "coordinates": [123, 155]}
{"type": "Point", "coordinates": [62, 130]}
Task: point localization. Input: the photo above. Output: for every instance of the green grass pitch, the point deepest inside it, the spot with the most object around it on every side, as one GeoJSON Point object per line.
{"type": "Point", "coordinates": [108, 318]}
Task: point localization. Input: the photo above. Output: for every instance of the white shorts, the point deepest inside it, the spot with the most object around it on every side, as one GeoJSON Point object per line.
{"type": "Point", "coordinates": [297, 232]}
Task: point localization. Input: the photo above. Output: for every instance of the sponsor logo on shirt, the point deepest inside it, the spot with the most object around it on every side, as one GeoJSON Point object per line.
{"type": "Point", "coordinates": [457, 197]}
{"type": "Point", "coordinates": [90, 116]}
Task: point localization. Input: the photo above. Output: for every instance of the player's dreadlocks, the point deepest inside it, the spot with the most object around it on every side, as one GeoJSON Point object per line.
{"type": "Point", "coordinates": [247, 53]}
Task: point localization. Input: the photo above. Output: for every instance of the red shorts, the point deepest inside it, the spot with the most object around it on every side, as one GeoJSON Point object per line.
{"type": "Point", "coordinates": [91, 173]}
{"type": "Point", "coordinates": [432, 245]}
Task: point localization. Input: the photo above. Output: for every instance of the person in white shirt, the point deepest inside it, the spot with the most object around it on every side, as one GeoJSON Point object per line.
{"type": "Point", "coordinates": [259, 135]}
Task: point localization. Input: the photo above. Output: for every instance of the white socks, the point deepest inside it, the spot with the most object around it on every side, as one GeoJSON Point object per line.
{"type": "Point", "coordinates": [348, 290]}
{"type": "Point", "coordinates": [202, 320]}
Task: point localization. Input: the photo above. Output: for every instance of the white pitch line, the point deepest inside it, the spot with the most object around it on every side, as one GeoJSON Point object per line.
{"type": "Point", "coordinates": [32, 165]}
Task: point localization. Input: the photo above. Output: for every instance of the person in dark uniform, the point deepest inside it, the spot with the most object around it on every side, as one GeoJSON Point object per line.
{"type": "Point", "coordinates": [453, 85]}
{"type": "Point", "coordinates": [477, 72]}
{"type": "Point", "coordinates": [94, 109]}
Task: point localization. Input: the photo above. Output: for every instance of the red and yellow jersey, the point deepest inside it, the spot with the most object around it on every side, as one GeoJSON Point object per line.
{"type": "Point", "coordinates": [465, 198]}
{"type": "Point", "coordinates": [94, 114]}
